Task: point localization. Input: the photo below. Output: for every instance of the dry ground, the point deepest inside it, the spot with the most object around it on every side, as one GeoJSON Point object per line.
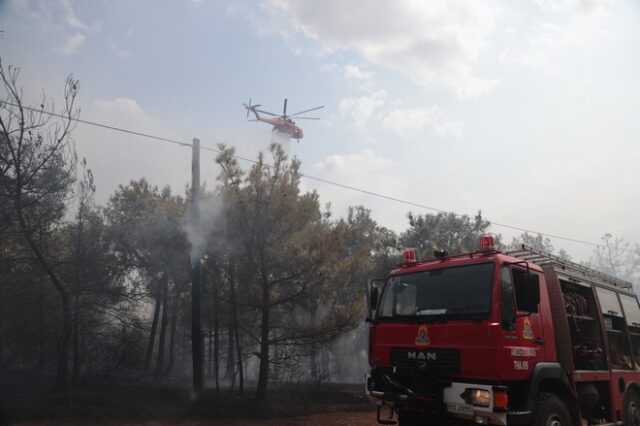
{"type": "Point", "coordinates": [344, 419]}
{"type": "Point", "coordinates": [331, 405]}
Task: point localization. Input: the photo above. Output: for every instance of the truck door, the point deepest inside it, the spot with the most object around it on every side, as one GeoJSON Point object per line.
{"type": "Point", "coordinates": [521, 322]}
{"type": "Point", "coordinates": [618, 351]}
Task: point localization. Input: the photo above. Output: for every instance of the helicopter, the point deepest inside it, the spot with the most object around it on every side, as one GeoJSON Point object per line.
{"type": "Point", "coordinates": [282, 123]}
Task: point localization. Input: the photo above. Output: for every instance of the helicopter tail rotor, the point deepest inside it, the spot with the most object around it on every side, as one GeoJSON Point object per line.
{"type": "Point", "coordinates": [250, 108]}
{"type": "Point", "coordinates": [247, 107]}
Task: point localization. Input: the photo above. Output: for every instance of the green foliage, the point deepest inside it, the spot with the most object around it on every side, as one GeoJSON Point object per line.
{"type": "Point", "coordinates": [537, 242]}
{"type": "Point", "coordinates": [301, 266]}
{"type": "Point", "coordinates": [456, 234]}
{"type": "Point", "coordinates": [146, 228]}
{"type": "Point", "coordinates": [283, 237]}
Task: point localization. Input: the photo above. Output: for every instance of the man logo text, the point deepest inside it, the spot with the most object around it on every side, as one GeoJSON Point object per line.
{"type": "Point", "coordinates": [425, 356]}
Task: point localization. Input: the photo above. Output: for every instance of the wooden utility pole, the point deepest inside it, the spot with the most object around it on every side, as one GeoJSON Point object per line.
{"type": "Point", "coordinates": [196, 334]}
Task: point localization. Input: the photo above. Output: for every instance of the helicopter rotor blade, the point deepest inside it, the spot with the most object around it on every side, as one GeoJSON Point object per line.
{"type": "Point", "coordinates": [284, 110]}
{"type": "Point", "coordinates": [307, 118]}
{"type": "Point", "coordinates": [265, 112]}
{"type": "Point", "coordinates": [307, 110]}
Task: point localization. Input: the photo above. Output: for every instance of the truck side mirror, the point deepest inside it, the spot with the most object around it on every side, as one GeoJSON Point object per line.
{"type": "Point", "coordinates": [374, 295]}
{"type": "Point", "coordinates": [373, 301]}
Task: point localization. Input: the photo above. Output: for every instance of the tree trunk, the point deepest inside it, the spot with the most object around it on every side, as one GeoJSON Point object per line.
{"type": "Point", "coordinates": [315, 377]}
{"type": "Point", "coordinates": [263, 375]}
{"type": "Point", "coordinates": [313, 365]}
{"type": "Point", "coordinates": [62, 371]}
{"type": "Point", "coordinates": [216, 333]}
{"type": "Point", "coordinates": [41, 335]}
{"type": "Point", "coordinates": [234, 320]}
{"type": "Point", "coordinates": [230, 362]}
{"type": "Point", "coordinates": [197, 351]}
{"type": "Point", "coordinates": [172, 344]}
{"type": "Point", "coordinates": [163, 327]}
{"type": "Point", "coordinates": [152, 336]}
{"type": "Point", "coordinates": [210, 351]}
{"type": "Point", "coordinates": [326, 369]}
{"type": "Point", "coordinates": [75, 375]}
{"type": "Point", "coordinates": [76, 305]}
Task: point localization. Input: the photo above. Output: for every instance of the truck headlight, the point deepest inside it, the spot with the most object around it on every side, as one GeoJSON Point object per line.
{"type": "Point", "coordinates": [480, 397]}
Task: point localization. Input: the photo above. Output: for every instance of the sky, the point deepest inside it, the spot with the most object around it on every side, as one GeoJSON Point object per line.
{"type": "Point", "coordinates": [524, 110]}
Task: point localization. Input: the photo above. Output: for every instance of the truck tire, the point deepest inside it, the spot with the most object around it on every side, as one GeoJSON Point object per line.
{"type": "Point", "coordinates": [551, 411]}
{"type": "Point", "coordinates": [631, 409]}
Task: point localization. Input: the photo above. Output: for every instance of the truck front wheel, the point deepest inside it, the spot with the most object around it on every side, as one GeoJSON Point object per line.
{"type": "Point", "coordinates": [551, 411]}
{"type": "Point", "coordinates": [631, 409]}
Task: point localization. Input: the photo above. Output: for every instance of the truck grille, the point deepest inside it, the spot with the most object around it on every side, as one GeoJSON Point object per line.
{"type": "Point", "coordinates": [437, 361]}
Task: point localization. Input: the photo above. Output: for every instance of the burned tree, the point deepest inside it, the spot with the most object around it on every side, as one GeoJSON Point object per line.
{"type": "Point", "coordinates": [38, 162]}
{"type": "Point", "coordinates": [291, 250]}
{"type": "Point", "coordinates": [149, 241]}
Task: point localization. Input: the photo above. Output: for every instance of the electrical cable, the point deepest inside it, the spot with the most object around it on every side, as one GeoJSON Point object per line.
{"type": "Point", "coordinates": [93, 123]}
{"type": "Point", "coordinates": [315, 178]}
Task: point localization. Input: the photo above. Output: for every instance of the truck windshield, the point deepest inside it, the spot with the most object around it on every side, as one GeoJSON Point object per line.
{"type": "Point", "coordinates": [458, 292]}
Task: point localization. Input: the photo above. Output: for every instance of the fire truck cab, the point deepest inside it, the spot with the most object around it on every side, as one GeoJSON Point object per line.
{"type": "Point", "coordinates": [503, 338]}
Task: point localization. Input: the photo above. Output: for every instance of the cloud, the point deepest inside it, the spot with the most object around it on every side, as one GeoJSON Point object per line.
{"type": "Point", "coordinates": [330, 67]}
{"type": "Point", "coordinates": [360, 164]}
{"type": "Point", "coordinates": [72, 44]}
{"type": "Point", "coordinates": [540, 59]}
{"type": "Point", "coordinates": [574, 6]}
{"type": "Point", "coordinates": [123, 110]}
{"type": "Point", "coordinates": [435, 43]}
{"type": "Point", "coordinates": [56, 21]}
{"type": "Point", "coordinates": [367, 170]}
{"type": "Point", "coordinates": [362, 109]}
{"type": "Point", "coordinates": [117, 50]}
{"type": "Point", "coordinates": [412, 122]}
{"type": "Point", "coordinates": [353, 72]}
{"type": "Point", "coordinates": [562, 27]}
{"type": "Point", "coordinates": [116, 157]}
{"type": "Point", "coordinates": [367, 112]}
{"type": "Point", "coordinates": [71, 18]}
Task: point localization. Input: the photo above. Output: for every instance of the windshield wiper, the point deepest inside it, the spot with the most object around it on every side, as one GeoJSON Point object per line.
{"type": "Point", "coordinates": [469, 315]}
{"type": "Point", "coordinates": [417, 319]}
{"type": "Point", "coordinates": [431, 312]}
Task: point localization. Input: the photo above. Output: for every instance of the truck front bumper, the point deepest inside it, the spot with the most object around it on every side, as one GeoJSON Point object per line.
{"type": "Point", "coordinates": [453, 403]}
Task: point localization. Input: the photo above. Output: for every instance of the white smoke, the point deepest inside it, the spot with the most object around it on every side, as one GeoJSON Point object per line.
{"type": "Point", "coordinates": [200, 231]}
{"type": "Point", "coordinates": [283, 140]}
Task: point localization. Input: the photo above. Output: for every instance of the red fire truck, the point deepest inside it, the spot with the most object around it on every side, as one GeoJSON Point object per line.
{"type": "Point", "coordinates": [498, 338]}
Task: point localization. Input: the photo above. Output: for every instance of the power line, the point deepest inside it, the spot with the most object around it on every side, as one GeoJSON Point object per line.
{"type": "Point", "coordinates": [411, 203]}
{"type": "Point", "coordinates": [318, 179]}
{"type": "Point", "coordinates": [93, 123]}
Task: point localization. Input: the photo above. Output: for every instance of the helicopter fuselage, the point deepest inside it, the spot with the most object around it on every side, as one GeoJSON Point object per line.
{"type": "Point", "coordinates": [282, 125]}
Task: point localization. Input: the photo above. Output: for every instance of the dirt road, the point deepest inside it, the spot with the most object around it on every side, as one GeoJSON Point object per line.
{"type": "Point", "coordinates": [160, 406]}
{"type": "Point", "coordinates": [327, 419]}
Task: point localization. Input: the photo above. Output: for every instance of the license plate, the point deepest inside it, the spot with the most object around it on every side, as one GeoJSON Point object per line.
{"type": "Point", "coordinates": [455, 408]}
